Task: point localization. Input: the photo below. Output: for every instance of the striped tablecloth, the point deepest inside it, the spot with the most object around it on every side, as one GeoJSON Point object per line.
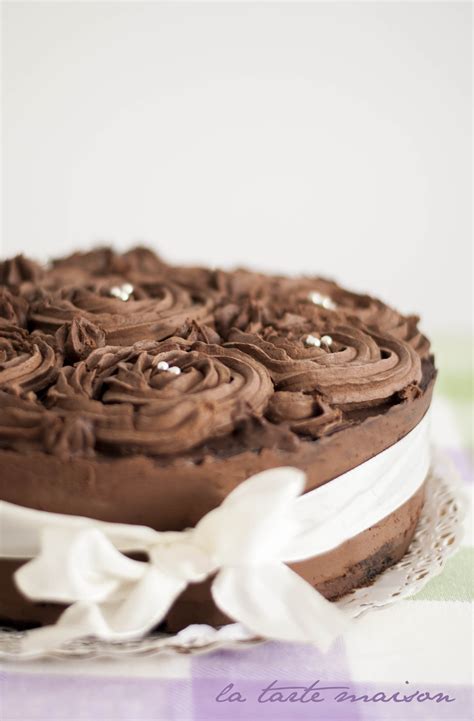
{"type": "Point", "coordinates": [409, 661]}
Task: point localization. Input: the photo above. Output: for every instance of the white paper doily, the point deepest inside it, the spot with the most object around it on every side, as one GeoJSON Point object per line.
{"type": "Point", "coordinates": [437, 536]}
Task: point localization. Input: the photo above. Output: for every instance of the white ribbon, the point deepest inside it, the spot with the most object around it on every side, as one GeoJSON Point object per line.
{"type": "Point", "coordinates": [245, 543]}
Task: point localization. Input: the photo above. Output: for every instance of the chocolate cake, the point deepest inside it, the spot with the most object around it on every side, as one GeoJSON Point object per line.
{"type": "Point", "coordinates": [135, 391]}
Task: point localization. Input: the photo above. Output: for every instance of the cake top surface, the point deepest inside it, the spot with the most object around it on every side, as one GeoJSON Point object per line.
{"type": "Point", "coordinates": [105, 354]}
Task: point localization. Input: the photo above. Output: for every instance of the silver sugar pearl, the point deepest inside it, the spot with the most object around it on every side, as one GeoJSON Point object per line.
{"type": "Point", "coordinates": [175, 370]}
{"type": "Point", "coordinates": [315, 297]}
{"type": "Point", "coordinates": [323, 300]}
{"type": "Point", "coordinates": [119, 293]}
{"type": "Point", "coordinates": [163, 366]}
{"type": "Point", "coordinates": [327, 340]}
{"type": "Point", "coordinates": [311, 340]}
{"type": "Point", "coordinates": [328, 304]}
{"type": "Point", "coordinates": [127, 288]}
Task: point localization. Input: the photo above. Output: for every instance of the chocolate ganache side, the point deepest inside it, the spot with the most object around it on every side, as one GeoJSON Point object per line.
{"type": "Point", "coordinates": [136, 391]}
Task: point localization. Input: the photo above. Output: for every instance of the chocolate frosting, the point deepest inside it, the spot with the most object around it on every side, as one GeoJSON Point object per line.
{"type": "Point", "coordinates": [81, 368]}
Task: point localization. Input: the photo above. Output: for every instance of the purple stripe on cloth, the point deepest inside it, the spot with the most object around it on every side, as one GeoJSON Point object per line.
{"type": "Point", "coordinates": [45, 697]}
{"type": "Point", "coordinates": [59, 697]}
{"type": "Point", "coordinates": [461, 459]}
{"type": "Point", "coordinates": [246, 674]}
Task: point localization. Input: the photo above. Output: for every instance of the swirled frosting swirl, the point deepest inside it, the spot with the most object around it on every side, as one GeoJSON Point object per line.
{"type": "Point", "coordinates": [27, 362]}
{"type": "Point", "coordinates": [103, 353]}
{"type": "Point", "coordinates": [136, 407]}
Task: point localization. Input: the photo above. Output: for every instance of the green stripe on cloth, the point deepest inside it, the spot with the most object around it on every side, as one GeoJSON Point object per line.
{"type": "Point", "coordinates": [454, 360]}
{"type": "Point", "coordinates": [454, 357]}
{"type": "Point", "coordinates": [455, 583]}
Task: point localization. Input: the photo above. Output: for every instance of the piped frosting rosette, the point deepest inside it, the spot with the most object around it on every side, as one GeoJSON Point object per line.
{"type": "Point", "coordinates": [361, 367]}
{"type": "Point", "coordinates": [154, 310]}
{"type": "Point", "coordinates": [28, 362]}
{"type": "Point", "coordinates": [119, 400]}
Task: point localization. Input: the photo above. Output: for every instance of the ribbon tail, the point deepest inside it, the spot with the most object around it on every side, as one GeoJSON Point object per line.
{"type": "Point", "coordinates": [273, 601]}
{"type": "Point", "coordinates": [143, 608]}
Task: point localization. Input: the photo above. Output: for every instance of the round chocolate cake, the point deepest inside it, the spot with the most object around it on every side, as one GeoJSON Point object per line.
{"type": "Point", "coordinates": [139, 392]}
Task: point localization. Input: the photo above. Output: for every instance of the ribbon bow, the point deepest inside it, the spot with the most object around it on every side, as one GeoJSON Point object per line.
{"type": "Point", "coordinates": [245, 543]}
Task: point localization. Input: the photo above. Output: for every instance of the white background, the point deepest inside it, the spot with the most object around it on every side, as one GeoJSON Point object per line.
{"type": "Point", "coordinates": [330, 138]}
